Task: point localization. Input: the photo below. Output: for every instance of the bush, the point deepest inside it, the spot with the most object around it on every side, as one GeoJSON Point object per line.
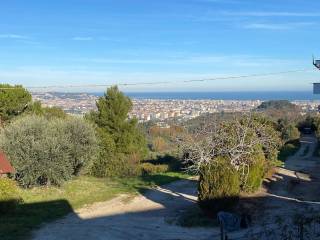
{"type": "Point", "coordinates": [159, 144]}
{"type": "Point", "coordinates": [173, 162]}
{"type": "Point", "coordinates": [219, 187]}
{"type": "Point", "coordinates": [82, 143]}
{"type": "Point", "coordinates": [289, 149]}
{"type": "Point", "coordinates": [46, 152]}
{"type": "Point", "coordinates": [120, 165]}
{"type": "Point", "coordinates": [254, 179]}
{"type": "Point", "coordinates": [110, 162]}
{"type": "Point", "coordinates": [48, 112]}
{"type": "Point", "coordinates": [9, 195]}
{"type": "Point", "coordinates": [149, 168]}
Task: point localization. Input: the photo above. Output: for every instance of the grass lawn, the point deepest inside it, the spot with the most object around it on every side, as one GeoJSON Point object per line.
{"type": "Point", "coordinates": [45, 204]}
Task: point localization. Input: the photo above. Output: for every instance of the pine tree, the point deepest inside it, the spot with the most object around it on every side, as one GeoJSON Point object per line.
{"type": "Point", "coordinates": [128, 143]}
{"type": "Point", "coordinates": [14, 100]}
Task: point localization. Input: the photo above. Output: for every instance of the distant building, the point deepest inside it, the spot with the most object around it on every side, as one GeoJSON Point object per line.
{"type": "Point", "coordinates": [5, 166]}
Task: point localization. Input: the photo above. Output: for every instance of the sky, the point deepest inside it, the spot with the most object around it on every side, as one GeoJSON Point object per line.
{"type": "Point", "coordinates": [81, 42]}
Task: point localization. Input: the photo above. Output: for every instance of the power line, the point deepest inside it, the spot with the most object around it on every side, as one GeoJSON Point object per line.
{"type": "Point", "coordinates": [165, 82]}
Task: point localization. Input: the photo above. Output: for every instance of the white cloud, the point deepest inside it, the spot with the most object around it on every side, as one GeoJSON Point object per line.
{"type": "Point", "coordinates": [271, 14]}
{"type": "Point", "coordinates": [82, 38]}
{"type": "Point", "coordinates": [13, 36]}
{"type": "Point", "coordinates": [277, 26]}
{"type": "Point", "coordinates": [240, 16]}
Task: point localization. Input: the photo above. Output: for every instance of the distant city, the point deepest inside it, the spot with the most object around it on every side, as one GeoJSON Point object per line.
{"type": "Point", "coordinates": [146, 109]}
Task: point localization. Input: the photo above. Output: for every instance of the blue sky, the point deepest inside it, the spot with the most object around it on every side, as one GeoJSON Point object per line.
{"type": "Point", "coordinates": [128, 41]}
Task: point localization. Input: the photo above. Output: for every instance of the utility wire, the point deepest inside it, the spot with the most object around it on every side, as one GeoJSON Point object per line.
{"type": "Point", "coordinates": [165, 82]}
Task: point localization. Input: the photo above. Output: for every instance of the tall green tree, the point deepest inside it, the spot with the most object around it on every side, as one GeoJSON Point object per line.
{"type": "Point", "coordinates": [14, 100]}
{"type": "Point", "coordinates": [125, 141]}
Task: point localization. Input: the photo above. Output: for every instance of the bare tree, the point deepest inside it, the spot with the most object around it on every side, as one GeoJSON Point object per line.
{"type": "Point", "coordinates": [236, 140]}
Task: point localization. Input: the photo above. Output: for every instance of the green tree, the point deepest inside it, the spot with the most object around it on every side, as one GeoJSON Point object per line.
{"type": "Point", "coordinates": [229, 156]}
{"type": "Point", "coordinates": [287, 130]}
{"type": "Point", "coordinates": [48, 112]}
{"type": "Point", "coordinates": [45, 152]}
{"type": "Point", "coordinates": [14, 100]}
{"type": "Point", "coordinates": [127, 144]}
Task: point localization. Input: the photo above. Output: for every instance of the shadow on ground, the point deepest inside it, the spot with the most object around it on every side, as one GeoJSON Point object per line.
{"type": "Point", "coordinates": [293, 190]}
{"type": "Point", "coordinates": [18, 223]}
{"type": "Point", "coordinates": [144, 217]}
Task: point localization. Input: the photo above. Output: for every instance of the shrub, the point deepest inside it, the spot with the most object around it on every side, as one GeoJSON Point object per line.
{"type": "Point", "coordinates": [110, 162]}
{"type": "Point", "coordinates": [120, 165]}
{"type": "Point", "coordinates": [173, 162]}
{"type": "Point", "coordinates": [149, 168]}
{"type": "Point", "coordinates": [159, 144]}
{"type": "Point", "coordinates": [82, 143]}
{"type": "Point", "coordinates": [257, 171]}
{"type": "Point", "coordinates": [48, 112]}
{"type": "Point", "coordinates": [219, 186]}
{"type": "Point", "coordinates": [46, 152]}
{"type": "Point", "coordinates": [289, 149]}
{"type": "Point", "coordinates": [9, 195]}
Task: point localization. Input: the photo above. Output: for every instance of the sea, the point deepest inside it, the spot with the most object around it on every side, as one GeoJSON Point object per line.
{"type": "Point", "coordinates": [270, 95]}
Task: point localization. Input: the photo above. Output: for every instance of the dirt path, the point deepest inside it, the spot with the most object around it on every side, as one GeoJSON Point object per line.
{"type": "Point", "coordinates": [291, 190]}
{"type": "Point", "coordinates": [143, 217]}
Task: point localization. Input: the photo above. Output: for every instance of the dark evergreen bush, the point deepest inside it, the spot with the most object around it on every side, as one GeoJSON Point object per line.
{"type": "Point", "coordinates": [219, 187]}
{"type": "Point", "coordinates": [257, 170]}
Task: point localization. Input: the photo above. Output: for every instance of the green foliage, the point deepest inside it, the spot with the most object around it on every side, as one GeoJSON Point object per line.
{"type": "Point", "coordinates": [48, 112]}
{"type": "Point", "coordinates": [46, 152]}
{"type": "Point", "coordinates": [232, 156]}
{"type": "Point", "coordinates": [257, 171]}
{"type": "Point", "coordinates": [219, 186]}
{"type": "Point", "coordinates": [13, 101]}
{"type": "Point", "coordinates": [122, 143]}
{"type": "Point", "coordinates": [82, 143]}
{"type": "Point", "coordinates": [266, 129]}
{"type": "Point", "coordinates": [316, 125]}
{"type": "Point", "coordinates": [173, 161]}
{"type": "Point", "coordinates": [280, 109]}
{"type": "Point", "coordinates": [102, 166]}
{"type": "Point", "coordinates": [278, 105]}
{"type": "Point", "coordinates": [159, 144]}
{"type": "Point", "coordinates": [116, 166]}
{"type": "Point", "coordinates": [287, 130]}
{"type": "Point", "coordinates": [289, 149]}
{"type": "Point", "coordinates": [149, 168]}
{"type": "Point", "coordinates": [9, 195]}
